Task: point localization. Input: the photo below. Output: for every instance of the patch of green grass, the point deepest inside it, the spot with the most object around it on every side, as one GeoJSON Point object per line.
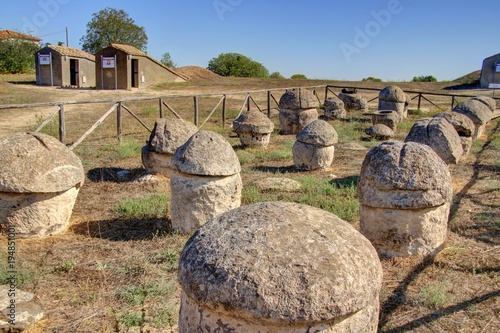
{"type": "Point", "coordinates": [66, 266]}
{"type": "Point", "coordinates": [166, 317]}
{"type": "Point", "coordinates": [434, 296]}
{"type": "Point", "coordinates": [137, 295]}
{"type": "Point", "coordinates": [51, 128]}
{"type": "Point", "coordinates": [415, 112]}
{"type": "Point", "coordinates": [128, 149]}
{"type": "Point", "coordinates": [131, 319]}
{"type": "Point", "coordinates": [168, 256]}
{"type": "Point", "coordinates": [149, 207]}
{"type": "Point", "coordinates": [245, 156]}
{"type": "Point", "coordinates": [149, 111]}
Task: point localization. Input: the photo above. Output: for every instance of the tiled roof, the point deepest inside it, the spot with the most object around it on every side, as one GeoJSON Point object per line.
{"type": "Point", "coordinates": [71, 52]}
{"type": "Point", "coordinates": [13, 34]}
{"type": "Point", "coordinates": [129, 49]}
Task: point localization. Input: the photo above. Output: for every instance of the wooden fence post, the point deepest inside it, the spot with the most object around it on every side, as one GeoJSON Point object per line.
{"type": "Point", "coordinates": [119, 121]}
{"type": "Point", "coordinates": [161, 107]}
{"type": "Point", "coordinates": [248, 102]}
{"type": "Point", "coordinates": [62, 125]}
{"type": "Point", "coordinates": [326, 92]}
{"type": "Point", "coordinates": [269, 104]}
{"type": "Point", "coordinates": [224, 112]}
{"type": "Point", "coordinates": [195, 110]}
{"type": "Point", "coordinates": [419, 100]}
{"type": "Point", "coordinates": [452, 102]}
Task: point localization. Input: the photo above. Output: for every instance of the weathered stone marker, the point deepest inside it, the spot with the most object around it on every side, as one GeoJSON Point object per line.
{"type": "Point", "coordinates": [39, 181]}
{"type": "Point", "coordinates": [278, 267]}
{"type": "Point", "coordinates": [393, 98]}
{"type": "Point", "coordinates": [297, 109]}
{"type": "Point", "coordinates": [353, 101]}
{"type": "Point", "coordinates": [254, 129]}
{"type": "Point", "coordinates": [334, 108]}
{"type": "Point", "coordinates": [464, 127]}
{"type": "Point", "coordinates": [206, 181]}
{"type": "Point", "coordinates": [166, 137]}
{"type": "Point", "coordinates": [405, 193]}
{"type": "Point", "coordinates": [478, 112]}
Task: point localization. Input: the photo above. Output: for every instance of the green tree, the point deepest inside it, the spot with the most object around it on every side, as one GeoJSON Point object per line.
{"type": "Point", "coordinates": [235, 64]}
{"type": "Point", "coordinates": [428, 78]}
{"type": "Point", "coordinates": [111, 25]}
{"type": "Point", "coordinates": [372, 79]}
{"type": "Point", "coordinates": [276, 75]}
{"type": "Point", "coordinates": [298, 77]}
{"type": "Point", "coordinates": [166, 59]}
{"type": "Point", "coordinates": [17, 56]}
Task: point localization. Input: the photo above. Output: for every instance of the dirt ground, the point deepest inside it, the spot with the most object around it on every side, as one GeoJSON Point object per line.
{"type": "Point", "coordinates": [110, 274]}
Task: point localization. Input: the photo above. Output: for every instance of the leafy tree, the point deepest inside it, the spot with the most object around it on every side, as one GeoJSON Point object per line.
{"type": "Point", "coordinates": [371, 79]}
{"type": "Point", "coordinates": [276, 75]}
{"type": "Point", "coordinates": [111, 25]}
{"type": "Point", "coordinates": [298, 77]}
{"type": "Point", "coordinates": [235, 64]}
{"type": "Point", "coordinates": [428, 78]}
{"type": "Point", "coordinates": [17, 56]}
{"type": "Point", "coordinates": [167, 60]}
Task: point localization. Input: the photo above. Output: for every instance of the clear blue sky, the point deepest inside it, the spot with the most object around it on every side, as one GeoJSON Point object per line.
{"type": "Point", "coordinates": [348, 40]}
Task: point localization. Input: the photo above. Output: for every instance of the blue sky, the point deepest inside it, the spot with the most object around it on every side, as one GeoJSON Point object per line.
{"type": "Point", "coordinates": [344, 40]}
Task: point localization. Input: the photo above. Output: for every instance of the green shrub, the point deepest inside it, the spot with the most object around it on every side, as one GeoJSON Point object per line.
{"type": "Point", "coordinates": [276, 75]}
{"type": "Point", "coordinates": [428, 78]}
{"type": "Point", "coordinates": [372, 79]}
{"type": "Point", "coordinates": [298, 77]}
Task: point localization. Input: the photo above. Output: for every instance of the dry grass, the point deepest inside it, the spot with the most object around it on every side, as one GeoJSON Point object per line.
{"type": "Point", "coordinates": [110, 273]}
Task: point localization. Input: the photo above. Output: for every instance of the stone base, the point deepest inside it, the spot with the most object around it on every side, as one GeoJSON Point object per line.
{"type": "Point", "coordinates": [196, 199]}
{"type": "Point", "coordinates": [156, 163]}
{"type": "Point", "coordinates": [388, 118]}
{"type": "Point", "coordinates": [335, 113]}
{"type": "Point", "coordinates": [399, 107]}
{"type": "Point", "coordinates": [195, 318]}
{"type": "Point", "coordinates": [405, 233]}
{"type": "Point", "coordinates": [254, 139]}
{"type": "Point", "coordinates": [37, 214]}
{"type": "Point", "coordinates": [293, 121]}
{"type": "Point", "coordinates": [309, 157]}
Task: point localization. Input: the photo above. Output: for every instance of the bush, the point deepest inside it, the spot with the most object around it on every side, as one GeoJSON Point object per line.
{"type": "Point", "coordinates": [428, 78]}
{"type": "Point", "coordinates": [372, 79]}
{"type": "Point", "coordinates": [298, 77]}
{"type": "Point", "coordinates": [17, 56]}
{"type": "Point", "coordinates": [276, 75]}
{"type": "Point", "coordinates": [238, 65]}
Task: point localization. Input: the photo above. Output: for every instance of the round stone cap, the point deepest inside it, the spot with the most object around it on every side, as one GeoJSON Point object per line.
{"type": "Point", "coordinates": [333, 103]}
{"type": "Point", "coordinates": [206, 154]}
{"type": "Point", "coordinates": [488, 101]}
{"type": "Point", "coordinates": [380, 130]}
{"type": "Point", "coordinates": [37, 163]}
{"type": "Point", "coordinates": [170, 134]}
{"type": "Point", "coordinates": [318, 132]}
{"type": "Point", "coordinates": [477, 111]}
{"type": "Point", "coordinates": [253, 122]}
{"type": "Point", "coordinates": [280, 263]}
{"type": "Point", "coordinates": [404, 176]}
{"type": "Point", "coordinates": [392, 94]}
{"type": "Point", "coordinates": [298, 99]}
{"type": "Point", "coordinates": [462, 124]}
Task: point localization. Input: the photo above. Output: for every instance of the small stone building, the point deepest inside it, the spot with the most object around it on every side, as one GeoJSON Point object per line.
{"type": "Point", "coordinates": [490, 72]}
{"type": "Point", "coordinates": [64, 66]}
{"type": "Point", "coordinates": [121, 66]}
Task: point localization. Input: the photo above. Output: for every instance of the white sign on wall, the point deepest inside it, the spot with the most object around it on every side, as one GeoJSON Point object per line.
{"type": "Point", "coordinates": [497, 67]}
{"type": "Point", "coordinates": [44, 59]}
{"type": "Point", "coordinates": [108, 62]}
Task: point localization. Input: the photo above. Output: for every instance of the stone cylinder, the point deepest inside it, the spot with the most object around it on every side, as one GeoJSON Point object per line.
{"type": "Point", "coordinates": [39, 181]}
{"type": "Point", "coordinates": [478, 112]}
{"type": "Point", "coordinates": [166, 136]}
{"type": "Point", "coordinates": [254, 129]}
{"type": "Point", "coordinates": [405, 193]}
{"type": "Point", "coordinates": [463, 126]}
{"type": "Point", "coordinates": [278, 267]}
{"type": "Point", "coordinates": [297, 108]}
{"type": "Point", "coordinates": [389, 118]}
{"type": "Point", "coordinates": [393, 98]}
{"type": "Point", "coordinates": [206, 181]}
{"type": "Point", "coordinates": [314, 148]}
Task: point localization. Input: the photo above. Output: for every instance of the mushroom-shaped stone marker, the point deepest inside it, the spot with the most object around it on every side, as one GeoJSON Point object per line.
{"type": "Point", "coordinates": [166, 137]}
{"type": "Point", "coordinates": [297, 109]}
{"type": "Point", "coordinates": [405, 193]}
{"type": "Point", "coordinates": [440, 135]}
{"type": "Point", "coordinates": [254, 129]}
{"type": "Point", "coordinates": [389, 118]}
{"type": "Point", "coordinates": [464, 127]}
{"type": "Point", "coordinates": [334, 108]}
{"type": "Point", "coordinates": [279, 267]}
{"type": "Point", "coordinates": [488, 101]}
{"type": "Point", "coordinates": [393, 98]}
{"type": "Point", "coordinates": [314, 148]}
{"type": "Point", "coordinates": [380, 132]}
{"type": "Point", "coordinates": [478, 112]}
{"type": "Point", "coordinates": [206, 181]}
{"type": "Point", "coordinates": [39, 181]}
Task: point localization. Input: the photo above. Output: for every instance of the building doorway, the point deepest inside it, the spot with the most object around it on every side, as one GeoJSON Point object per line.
{"type": "Point", "coordinates": [73, 72]}
{"type": "Point", "coordinates": [135, 73]}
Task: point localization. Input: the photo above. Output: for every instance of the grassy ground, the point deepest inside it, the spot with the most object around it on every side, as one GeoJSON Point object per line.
{"type": "Point", "coordinates": [114, 269]}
